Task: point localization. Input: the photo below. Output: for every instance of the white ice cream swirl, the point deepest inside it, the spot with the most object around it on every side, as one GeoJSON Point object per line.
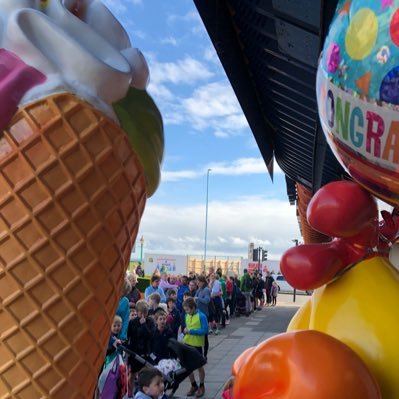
{"type": "Point", "coordinates": [78, 44]}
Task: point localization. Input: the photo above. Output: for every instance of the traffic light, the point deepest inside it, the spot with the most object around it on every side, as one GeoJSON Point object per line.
{"type": "Point", "coordinates": [255, 253]}
{"type": "Point", "coordinates": [264, 254]}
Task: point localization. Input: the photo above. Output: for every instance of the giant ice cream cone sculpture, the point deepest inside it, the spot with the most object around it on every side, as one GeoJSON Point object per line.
{"type": "Point", "coordinates": [72, 192]}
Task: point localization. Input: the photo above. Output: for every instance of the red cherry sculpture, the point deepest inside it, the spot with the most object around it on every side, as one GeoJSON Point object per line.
{"type": "Point", "coordinates": [308, 267]}
{"type": "Point", "coordinates": [340, 209]}
{"type": "Point", "coordinates": [344, 209]}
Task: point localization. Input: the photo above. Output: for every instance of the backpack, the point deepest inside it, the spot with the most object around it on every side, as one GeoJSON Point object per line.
{"type": "Point", "coordinates": [211, 308]}
{"type": "Point", "coordinates": [108, 382]}
{"type": "Point", "coordinates": [251, 282]}
{"type": "Point", "coordinates": [248, 285]}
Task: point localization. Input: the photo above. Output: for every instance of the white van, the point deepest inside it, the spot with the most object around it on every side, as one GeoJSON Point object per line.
{"type": "Point", "coordinates": [285, 287]}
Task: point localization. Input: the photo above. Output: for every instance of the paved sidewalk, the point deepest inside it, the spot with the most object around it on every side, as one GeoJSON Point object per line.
{"type": "Point", "coordinates": [242, 333]}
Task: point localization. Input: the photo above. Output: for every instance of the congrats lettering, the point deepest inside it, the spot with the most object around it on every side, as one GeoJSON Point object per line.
{"type": "Point", "coordinates": [369, 129]}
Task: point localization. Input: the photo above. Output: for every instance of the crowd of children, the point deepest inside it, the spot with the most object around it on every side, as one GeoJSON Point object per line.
{"type": "Point", "coordinates": [188, 309]}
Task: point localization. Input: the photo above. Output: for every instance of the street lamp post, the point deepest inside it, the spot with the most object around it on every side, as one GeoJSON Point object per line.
{"type": "Point", "coordinates": [141, 250]}
{"type": "Point", "coordinates": [206, 217]}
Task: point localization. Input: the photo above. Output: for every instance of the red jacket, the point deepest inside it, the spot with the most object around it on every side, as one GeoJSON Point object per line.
{"type": "Point", "coordinates": [229, 287]}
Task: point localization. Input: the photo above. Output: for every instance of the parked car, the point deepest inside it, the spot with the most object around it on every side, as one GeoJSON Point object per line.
{"type": "Point", "coordinates": [284, 286]}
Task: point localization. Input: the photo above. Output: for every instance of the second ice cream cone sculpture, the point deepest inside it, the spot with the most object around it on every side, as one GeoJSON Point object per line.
{"type": "Point", "coordinates": [73, 187]}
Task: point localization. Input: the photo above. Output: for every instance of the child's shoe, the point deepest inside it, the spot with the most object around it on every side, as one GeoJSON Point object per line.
{"type": "Point", "coordinates": [193, 390]}
{"type": "Point", "coordinates": [217, 332]}
{"type": "Point", "coordinates": [200, 392]}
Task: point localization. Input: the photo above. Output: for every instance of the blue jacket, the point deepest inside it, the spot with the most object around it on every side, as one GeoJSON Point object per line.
{"type": "Point", "coordinates": [123, 311]}
{"type": "Point", "coordinates": [179, 300]}
{"type": "Point", "coordinates": [203, 297]}
{"type": "Point", "coordinates": [150, 290]}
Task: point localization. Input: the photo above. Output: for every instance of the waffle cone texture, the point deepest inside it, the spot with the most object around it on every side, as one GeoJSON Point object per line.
{"type": "Point", "coordinates": [72, 193]}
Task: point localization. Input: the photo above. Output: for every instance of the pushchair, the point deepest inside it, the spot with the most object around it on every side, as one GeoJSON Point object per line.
{"type": "Point", "coordinates": [190, 359]}
{"type": "Point", "coordinates": [243, 303]}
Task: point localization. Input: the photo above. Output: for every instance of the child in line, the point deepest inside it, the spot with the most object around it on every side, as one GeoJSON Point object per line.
{"type": "Point", "coordinates": [274, 293]}
{"type": "Point", "coordinates": [162, 306]}
{"type": "Point", "coordinates": [111, 353]}
{"type": "Point", "coordinates": [140, 332]}
{"type": "Point", "coordinates": [186, 295]}
{"type": "Point", "coordinates": [132, 311]}
{"type": "Point", "coordinates": [151, 384]}
{"type": "Point", "coordinates": [196, 327]}
{"type": "Point", "coordinates": [114, 340]}
{"type": "Point", "coordinates": [216, 297]}
{"type": "Point", "coordinates": [153, 303]}
{"type": "Point", "coordinates": [160, 339]}
{"type": "Point", "coordinates": [173, 316]}
{"type": "Point", "coordinates": [172, 293]}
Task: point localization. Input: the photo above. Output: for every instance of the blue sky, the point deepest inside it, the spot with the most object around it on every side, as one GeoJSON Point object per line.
{"type": "Point", "coordinates": [204, 128]}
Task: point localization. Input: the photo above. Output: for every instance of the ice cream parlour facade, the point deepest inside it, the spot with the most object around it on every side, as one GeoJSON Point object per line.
{"type": "Point", "coordinates": [183, 264]}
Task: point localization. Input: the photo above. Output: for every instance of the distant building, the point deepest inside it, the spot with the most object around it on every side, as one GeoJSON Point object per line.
{"type": "Point", "coordinates": [251, 248]}
{"type": "Point", "coordinates": [182, 264]}
{"type": "Point", "coordinates": [175, 264]}
{"type": "Point", "coordinates": [273, 266]}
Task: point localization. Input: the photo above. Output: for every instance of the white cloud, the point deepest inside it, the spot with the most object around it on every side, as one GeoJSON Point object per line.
{"type": "Point", "coordinates": [118, 7]}
{"type": "Point", "coordinates": [231, 227]}
{"type": "Point", "coordinates": [184, 71]}
{"type": "Point", "coordinates": [198, 29]}
{"type": "Point", "coordinates": [160, 92]}
{"type": "Point", "coordinates": [169, 40]}
{"type": "Point", "coordinates": [276, 168]}
{"type": "Point", "coordinates": [241, 166]}
{"type": "Point", "coordinates": [179, 230]}
{"type": "Point", "coordinates": [211, 107]}
{"type": "Point", "coordinates": [180, 175]}
{"type": "Point", "coordinates": [220, 134]}
{"type": "Point", "coordinates": [214, 106]}
{"type": "Point", "coordinates": [121, 10]}
{"type": "Point", "coordinates": [189, 18]}
{"type": "Point", "coordinates": [139, 33]}
{"type": "Point", "coordinates": [238, 167]}
{"type": "Point", "coordinates": [212, 99]}
{"type": "Point", "coordinates": [211, 56]}
{"type": "Point", "coordinates": [172, 118]}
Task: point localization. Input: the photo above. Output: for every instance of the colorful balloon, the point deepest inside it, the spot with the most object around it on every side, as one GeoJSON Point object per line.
{"type": "Point", "coordinates": [240, 361]}
{"type": "Point", "coordinates": [358, 99]}
{"type": "Point", "coordinates": [304, 364]}
{"type": "Point", "coordinates": [349, 309]}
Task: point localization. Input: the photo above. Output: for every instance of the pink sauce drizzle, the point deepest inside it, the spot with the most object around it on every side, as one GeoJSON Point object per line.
{"type": "Point", "coordinates": [16, 78]}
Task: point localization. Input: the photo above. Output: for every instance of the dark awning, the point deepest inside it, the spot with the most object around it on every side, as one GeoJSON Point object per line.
{"type": "Point", "coordinates": [269, 50]}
